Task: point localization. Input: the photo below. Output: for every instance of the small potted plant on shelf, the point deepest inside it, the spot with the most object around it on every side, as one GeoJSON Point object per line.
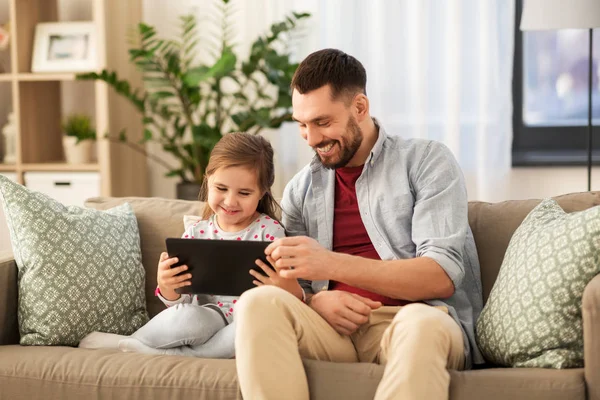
{"type": "Point", "coordinates": [79, 139]}
{"type": "Point", "coordinates": [187, 105]}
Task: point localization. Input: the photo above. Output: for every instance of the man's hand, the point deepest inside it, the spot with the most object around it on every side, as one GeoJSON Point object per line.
{"type": "Point", "coordinates": [301, 257]}
{"type": "Point", "coordinates": [271, 277]}
{"type": "Point", "coordinates": [344, 311]}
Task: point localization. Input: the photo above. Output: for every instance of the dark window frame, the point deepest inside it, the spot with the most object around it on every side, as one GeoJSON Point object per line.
{"type": "Point", "coordinates": [549, 145]}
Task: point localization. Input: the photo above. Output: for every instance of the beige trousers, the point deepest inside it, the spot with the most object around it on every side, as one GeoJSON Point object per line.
{"type": "Point", "coordinates": [416, 343]}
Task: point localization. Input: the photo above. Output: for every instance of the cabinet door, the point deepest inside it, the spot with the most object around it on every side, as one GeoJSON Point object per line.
{"type": "Point", "coordinates": [69, 188]}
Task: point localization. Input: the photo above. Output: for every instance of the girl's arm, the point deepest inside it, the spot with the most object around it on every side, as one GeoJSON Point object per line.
{"type": "Point", "coordinates": [183, 299]}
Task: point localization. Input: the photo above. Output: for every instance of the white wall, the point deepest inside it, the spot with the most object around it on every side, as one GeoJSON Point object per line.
{"type": "Point", "coordinates": [520, 183]}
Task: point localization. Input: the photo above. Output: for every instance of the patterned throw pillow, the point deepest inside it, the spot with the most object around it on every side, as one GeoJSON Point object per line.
{"type": "Point", "coordinates": [533, 315]}
{"type": "Point", "coordinates": [80, 270]}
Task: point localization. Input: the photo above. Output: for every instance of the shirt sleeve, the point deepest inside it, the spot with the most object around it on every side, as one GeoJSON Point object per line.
{"type": "Point", "coordinates": [440, 222]}
{"type": "Point", "coordinates": [294, 224]}
{"type": "Point", "coordinates": [278, 231]}
{"type": "Point", "coordinates": [188, 233]}
{"type": "Point", "coordinates": [292, 212]}
{"type": "Point", "coordinates": [183, 299]}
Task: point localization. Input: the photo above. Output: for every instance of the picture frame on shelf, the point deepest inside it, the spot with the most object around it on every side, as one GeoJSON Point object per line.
{"type": "Point", "coordinates": [65, 47]}
{"type": "Point", "coordinates": [4, 36]}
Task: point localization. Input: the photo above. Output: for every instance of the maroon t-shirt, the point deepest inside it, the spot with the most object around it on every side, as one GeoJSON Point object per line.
{"type": "Point", "coordinates": [349, 233]}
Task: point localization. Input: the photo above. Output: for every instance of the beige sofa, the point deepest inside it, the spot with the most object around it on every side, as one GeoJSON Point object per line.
{"type": "Point", "coordinates": [62, 373]}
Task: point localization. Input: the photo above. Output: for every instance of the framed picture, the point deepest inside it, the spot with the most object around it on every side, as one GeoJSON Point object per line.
{"type": "Point", "coordinates": [4, 36]}
{"type": "Point", "coordinates": [65, 47]}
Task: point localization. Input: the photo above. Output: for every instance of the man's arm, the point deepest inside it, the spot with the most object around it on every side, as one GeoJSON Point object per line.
{"type": "Point", "coordinates": [293, 224]}
{"type": "Point", "coordinates": [416, 279]}
{"type": "Point", "coordinates": [439, 228]}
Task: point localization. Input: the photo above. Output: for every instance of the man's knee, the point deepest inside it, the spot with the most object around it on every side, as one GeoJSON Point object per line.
{"type": "Point", "coordinates": [414, 326]}
{"type": "Point", "coordinates": [420, 319]}
{"type": "Point", "coordinates": [261, 300]}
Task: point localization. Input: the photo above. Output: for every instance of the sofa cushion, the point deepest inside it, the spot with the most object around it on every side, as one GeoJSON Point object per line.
{"type": "Point", "coordinates": [80, 270]}
{"type": "Point", "coordinates": [157, 219]}
{"type": "Point", "coordinates": [493, 224]}
{"type": "Point", "coordinates": [63, 373]}
{"type": "Point", "coordinates": [533, 315]}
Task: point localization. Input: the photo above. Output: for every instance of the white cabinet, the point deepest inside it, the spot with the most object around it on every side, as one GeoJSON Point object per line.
{"type": "Point", "coordinates": [69, 188]}
{"type": "Point", "coordinates": [40, 102]}
{"type": "Point", "coordinates": [10, 175]}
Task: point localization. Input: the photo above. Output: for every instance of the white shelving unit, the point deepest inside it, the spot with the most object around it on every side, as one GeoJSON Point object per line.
{"type": "Point", "coordinates": [41, 101]}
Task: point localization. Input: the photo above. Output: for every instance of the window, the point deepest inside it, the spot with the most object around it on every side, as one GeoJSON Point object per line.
{"type": "Point", "coordinates": [550, 96]}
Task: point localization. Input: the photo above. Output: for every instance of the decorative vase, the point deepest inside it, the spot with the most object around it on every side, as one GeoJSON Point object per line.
{"type": "Point", "coordinates": [9, 141]}
{"type": "Point", "coordinates": [188, 190]}
{"type": "Point", "coordinates": [78, 153]}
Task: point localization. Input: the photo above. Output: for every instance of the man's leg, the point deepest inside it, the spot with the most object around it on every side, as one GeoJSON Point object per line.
{"type": "Point", "coordinates": [367, 339]}
{"type": "Point", "coordinates": [274, 330]}
{"type": "Point", "coordinates": [417, 349]}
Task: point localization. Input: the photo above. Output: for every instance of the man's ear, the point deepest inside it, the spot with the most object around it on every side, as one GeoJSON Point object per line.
{"type": "Point", "coordinates": [361, 107]}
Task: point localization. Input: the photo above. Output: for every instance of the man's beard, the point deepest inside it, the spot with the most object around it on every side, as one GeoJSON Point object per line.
{"type": "Point", "coordinates": [348, 147]}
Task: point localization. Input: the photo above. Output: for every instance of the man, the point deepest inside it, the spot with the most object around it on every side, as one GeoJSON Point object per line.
{"type": "Point", "coordinates": [380, 234]}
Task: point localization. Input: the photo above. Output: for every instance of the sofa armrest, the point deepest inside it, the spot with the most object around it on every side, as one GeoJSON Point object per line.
{"type": "Point", "coordinates": [9, 331]}
{"type": "Point", "coordinates": [591, 337]}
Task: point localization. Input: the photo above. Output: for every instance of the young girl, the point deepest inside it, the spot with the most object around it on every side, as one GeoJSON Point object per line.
{"type": "Point", "coordinates": [239, 206]}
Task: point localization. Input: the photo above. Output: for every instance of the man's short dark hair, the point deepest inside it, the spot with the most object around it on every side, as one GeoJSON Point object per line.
{"type": "Point", "coordinates": [344, 73]}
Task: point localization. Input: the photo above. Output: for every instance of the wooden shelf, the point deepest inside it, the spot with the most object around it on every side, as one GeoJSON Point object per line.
{"type": "Point", "coordinates": [60, 167]}
{"type": "Point", "coordinates": [41, 101]}
{"type": "Point", "coordinates": [35, 77]}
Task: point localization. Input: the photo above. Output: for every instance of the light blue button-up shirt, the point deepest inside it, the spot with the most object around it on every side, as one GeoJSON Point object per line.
{"type": "Point", "coordinates": [413, 203]}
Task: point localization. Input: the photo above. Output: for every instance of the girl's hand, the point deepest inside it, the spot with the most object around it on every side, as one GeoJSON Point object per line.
{"type": "Point", "coordinates": [167, 281]}
{"type": "Point", "coordinates": [271, 277]}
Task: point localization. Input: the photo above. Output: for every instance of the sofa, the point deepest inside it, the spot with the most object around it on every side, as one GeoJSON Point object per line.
{"type": "Point", "coordinates": [62, 373]}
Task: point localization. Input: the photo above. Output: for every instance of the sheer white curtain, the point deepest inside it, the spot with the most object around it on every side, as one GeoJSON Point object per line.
{"type": "Point", "coordinates": [437, 69]}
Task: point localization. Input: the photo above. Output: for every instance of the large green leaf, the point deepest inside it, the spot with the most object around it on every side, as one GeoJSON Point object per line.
{"type": "Point", "coordinates": [196, 75]}
{"type": "Point", "coordinates": [187, 105]}
{"type": "Point", "coordinates": [205, 135]}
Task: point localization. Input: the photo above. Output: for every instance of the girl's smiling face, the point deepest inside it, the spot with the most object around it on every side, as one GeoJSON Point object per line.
{"type": "Point", "coordinates": [233, 195]}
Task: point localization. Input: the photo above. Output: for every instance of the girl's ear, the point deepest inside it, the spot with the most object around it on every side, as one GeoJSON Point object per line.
{"type": "Point", "coordinates": [262, 197]}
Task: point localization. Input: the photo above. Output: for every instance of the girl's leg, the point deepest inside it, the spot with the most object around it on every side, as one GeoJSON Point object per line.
{"type": "Point", "coordinates": [101, 340]}
{"type": "Point", "coordinates": [180, 325]}
{"type": "Point", "coordinates": [221, 345]}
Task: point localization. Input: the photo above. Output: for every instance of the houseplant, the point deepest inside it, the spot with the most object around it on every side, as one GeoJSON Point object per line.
{"type": "Point", "coordinates": [187, 106]}
{"type": "Point", "coordinates": [79, 139]}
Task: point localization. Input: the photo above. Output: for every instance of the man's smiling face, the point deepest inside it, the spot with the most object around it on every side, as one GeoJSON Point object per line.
{"type": "Point", "coordinates": [328, 126]}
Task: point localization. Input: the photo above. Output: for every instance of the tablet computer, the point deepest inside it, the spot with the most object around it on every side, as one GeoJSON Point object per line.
{"type": "Point", "coordinates": [218, 267]}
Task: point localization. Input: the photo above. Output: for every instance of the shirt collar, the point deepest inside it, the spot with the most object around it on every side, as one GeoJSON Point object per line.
{"type": "Point", "coordinates": [377, 148]}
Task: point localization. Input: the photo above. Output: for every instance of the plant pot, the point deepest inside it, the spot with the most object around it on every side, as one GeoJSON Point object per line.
{"type": "Point", "coordinates": [188, 190]}
{"type": "Point", "coordinates": [80, 153]}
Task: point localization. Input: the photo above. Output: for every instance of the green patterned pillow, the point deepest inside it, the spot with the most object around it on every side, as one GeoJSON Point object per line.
{"type": "Point", "coordinates": [80, 270]}
{"type": "Point", "coordinates": [533, 315]}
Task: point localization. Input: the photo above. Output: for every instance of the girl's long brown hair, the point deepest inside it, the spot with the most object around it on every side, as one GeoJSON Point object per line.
{"type": "Point", "coordinates": [241, 149]}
